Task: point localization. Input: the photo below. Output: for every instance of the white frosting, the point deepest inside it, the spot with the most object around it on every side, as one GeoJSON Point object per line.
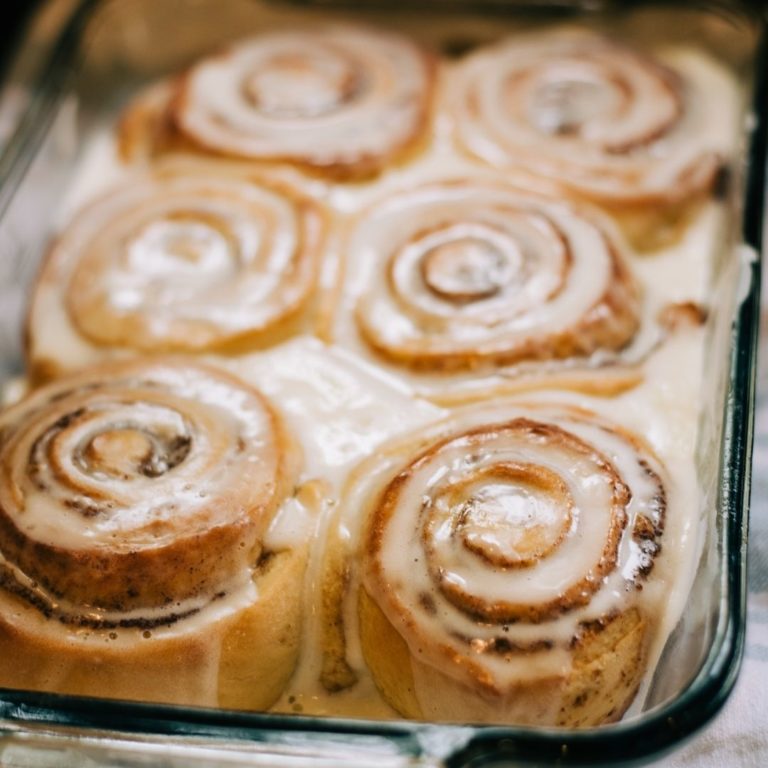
{"type": "Point", "coordinates": [342, 410]}
{"type": "Point", "coordinates": [345, 405]}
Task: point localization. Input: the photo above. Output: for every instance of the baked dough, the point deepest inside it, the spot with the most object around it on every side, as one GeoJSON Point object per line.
{"type": "Point", "coordinates": [503, 566]}
{"type": "Point", "coordinates": [183, 258]}
{"type": "Point", "coordinates": [134, 504]}
{"type": "Point", "coordinates": [342, 101]}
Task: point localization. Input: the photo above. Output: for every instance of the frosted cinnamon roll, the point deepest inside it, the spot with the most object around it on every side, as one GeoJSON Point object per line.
{"type": "Point", "coordinates": [598, 119]}
{"type": "Point", "coordinates": [136, 501]}
{"type": "Point", "coordinates": [507, 568]}
{"type": "Point", "coordinates": [179, 259]}
{"type": "Point", "coordinates": [340, 100]}
{"type": "Point", "coordinates": [470, 275]}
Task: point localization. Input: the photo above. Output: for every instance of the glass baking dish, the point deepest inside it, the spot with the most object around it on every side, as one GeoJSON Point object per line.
{"type": "Point", "coordinates": [79, 64]}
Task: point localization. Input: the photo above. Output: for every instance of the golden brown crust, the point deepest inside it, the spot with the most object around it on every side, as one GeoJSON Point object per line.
{"type": "Point", "coordinates": [261, 647]}
{"type": "Point", "coordinates": [388, 657]}
{"type": "Point", "coordinates": [336, 673]}
{"type": "Point", "coordinates": [145, 130]}
{"type": "Point", "coordinates": [242, 660]}
{"type": "Point", "coordinates": [608, 665]}
{"type": "Point", "coordinates": [685, 314]}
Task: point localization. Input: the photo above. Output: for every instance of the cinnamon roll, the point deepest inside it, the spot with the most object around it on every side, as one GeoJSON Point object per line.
{"type": "Point", "coordinates": [136, 501]}
{"type": "Point", "coordinates": [597, 119]}
{"type": "Point", "coordinates": [176, 260]}
{"type": "Point", "coordinates": [473, 276]}
{"type": "Point", "coordinates": [340, 100]}
{"type": "Point", "coordinates": [507, 568]}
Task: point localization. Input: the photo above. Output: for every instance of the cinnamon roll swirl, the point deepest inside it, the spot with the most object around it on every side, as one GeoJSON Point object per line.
{"type": "Point", "coordinates": [471, 275]}
{"type": "Point", "coordinates": [507, 568]}
{"type": "Point", "coordinates": [135, 507]}
{"type": "Point", "coordinates": [176, 260]}
{"type": "Point", "coordinates": [339, 100]}
{"type": "Point", "coordinates": [598, 119]}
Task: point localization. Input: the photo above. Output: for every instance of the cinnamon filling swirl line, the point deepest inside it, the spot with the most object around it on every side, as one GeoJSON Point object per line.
{"type": "Point", "coordinates": [15, 582]}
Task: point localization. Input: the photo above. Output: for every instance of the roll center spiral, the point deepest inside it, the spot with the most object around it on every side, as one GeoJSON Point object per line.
{"type": "Point", "coordinates": [119, 451]}
{"type": "Point", "coordinates": [301, 85]}
{"type": "Point", "coordinates": [565, 100]}
{"type": "Point", "coordinates": [511, 514]}
{"type": "Point", "coordinates": [183, 243]}
{"type": "Point", "coordinates": [461, 264]}
{"type": "Point", "coordinates": [127, 452]}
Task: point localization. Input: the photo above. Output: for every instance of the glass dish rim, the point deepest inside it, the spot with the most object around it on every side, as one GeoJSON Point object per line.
{"type": "Point", "coordinates": [651, 733]}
